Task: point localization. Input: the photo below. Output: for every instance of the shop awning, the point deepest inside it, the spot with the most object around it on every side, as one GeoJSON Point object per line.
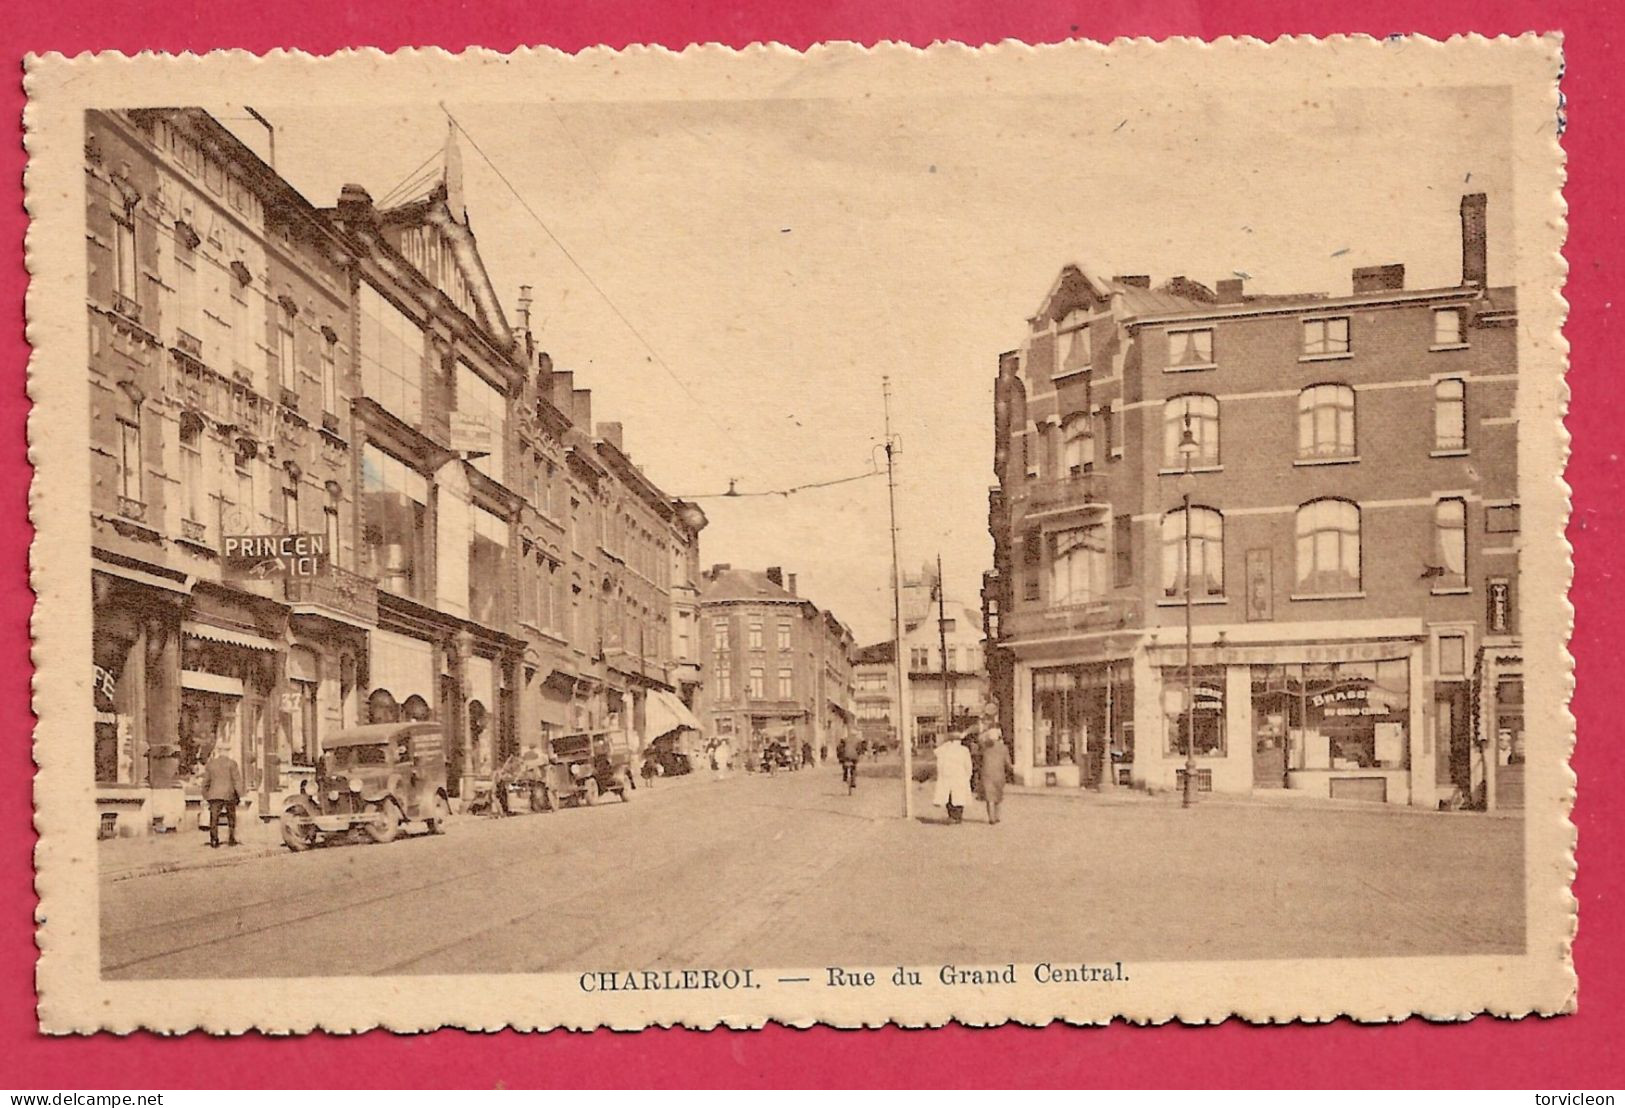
{"type": "Point", "coordinates": [665, 713]}
{"type": "Point", "coordinates": [227, 635]}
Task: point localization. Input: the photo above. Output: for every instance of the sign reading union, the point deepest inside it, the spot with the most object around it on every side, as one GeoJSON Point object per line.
{"type": "Point", "coordinates": [275, 555]}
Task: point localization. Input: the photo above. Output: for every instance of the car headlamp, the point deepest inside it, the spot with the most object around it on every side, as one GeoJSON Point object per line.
{"type": "Point", "coordinates": [355, 784]}
{"type": "Point", "coordinates": [332, 794]}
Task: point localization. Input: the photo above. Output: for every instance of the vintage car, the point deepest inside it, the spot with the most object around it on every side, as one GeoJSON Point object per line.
{"type": "Point", "coordinates": [378, 779]}
{"type": "Point", "coordinates": [585, 765]}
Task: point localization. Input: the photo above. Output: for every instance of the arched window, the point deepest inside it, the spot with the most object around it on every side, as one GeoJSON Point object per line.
{"type": "Point", "coordinates": [1326, 422]}
{"type": "Point", "coordinates": [1450, 415]}
{"type": "Point", "coordinates": [1450, 543]}
{"type": "Point", "coordinates": [1328, 547]}
{"type": "Point", "coordinates": [1204, 424]}
{"type": "Point", "coordinates": [1079, 571]}
{"type": "Point", "coordinates": [1206, 552]}
{"type": "Point", "coordinates": [1078, 441]}
{"type": "Point", "coordinates": [381, 707]}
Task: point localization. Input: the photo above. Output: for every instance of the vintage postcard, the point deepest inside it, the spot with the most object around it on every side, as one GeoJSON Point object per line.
{"type": "Point", "coordinates": [855, 536]}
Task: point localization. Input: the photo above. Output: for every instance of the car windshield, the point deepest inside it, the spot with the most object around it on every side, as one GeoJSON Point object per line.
{"type": "Point", "coordinates": [346, 756]}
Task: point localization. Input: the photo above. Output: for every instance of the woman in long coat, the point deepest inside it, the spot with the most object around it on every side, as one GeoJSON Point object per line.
{"type": "Point", "coordinates": [953, 776]}
{"type": "Point", "coordinates": [995, 760]}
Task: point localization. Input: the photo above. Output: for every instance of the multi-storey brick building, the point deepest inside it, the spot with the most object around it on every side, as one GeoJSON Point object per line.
{"type": "Point", "coordinates": [777, 665]}
{"type": "Point", "coordinates": [1350, 462]}
{"type": "Point", "coordinates": [262, 367]}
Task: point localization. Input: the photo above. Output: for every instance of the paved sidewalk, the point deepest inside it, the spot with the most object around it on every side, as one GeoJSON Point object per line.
{"type": "Point", "coordinates": [183, 849]}
{"type": "Point", "coordinates": [1262, 798]}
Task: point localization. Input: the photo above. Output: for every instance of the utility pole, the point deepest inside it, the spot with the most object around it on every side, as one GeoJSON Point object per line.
{"type": "Point", "coordinates": [904, 730]}
{"type": "Point", "coordinates": [942, 636]}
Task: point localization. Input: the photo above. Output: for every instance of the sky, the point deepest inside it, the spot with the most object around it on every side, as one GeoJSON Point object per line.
{"type": "Point", "coordinates": [782, 257]}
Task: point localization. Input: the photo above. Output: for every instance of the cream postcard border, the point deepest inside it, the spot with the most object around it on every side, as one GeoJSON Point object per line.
{"type": "Point", "coordinates": [73, 997]}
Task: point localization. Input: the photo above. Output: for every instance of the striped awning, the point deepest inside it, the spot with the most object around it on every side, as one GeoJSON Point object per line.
{"type": "Point", "coordinates": [227, 635]}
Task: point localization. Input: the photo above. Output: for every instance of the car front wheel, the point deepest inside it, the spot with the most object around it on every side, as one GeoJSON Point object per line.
{"type": "Point", "coordinates": [385, 821]}
{"type": "Point", "coordinates": [298, 828]}
{"type": "Point", "coordinates": [439, 813]}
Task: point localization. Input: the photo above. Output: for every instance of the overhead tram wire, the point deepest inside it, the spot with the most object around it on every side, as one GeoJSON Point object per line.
{"type": "Point", "coordinates": [734, 494]}
{"type": "Point", "coordinates": [415, 175]}
{"type": "Point", "coordinates": [596, 287]}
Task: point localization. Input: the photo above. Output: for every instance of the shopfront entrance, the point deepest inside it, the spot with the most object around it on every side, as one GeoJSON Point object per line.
{"type": "Point", "coordinates": [1083, 716]}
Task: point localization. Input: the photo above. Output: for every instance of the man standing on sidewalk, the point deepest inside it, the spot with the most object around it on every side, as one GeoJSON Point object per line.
{"type": "Point", "coordinates": [222, 788]}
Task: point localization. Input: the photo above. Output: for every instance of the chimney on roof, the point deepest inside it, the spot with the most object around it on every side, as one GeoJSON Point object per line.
{"type": "Point", "coordinates": [1475, 263]}
{"type": "Point", "coordinates": [611, 433]}
{"type": "Point", "coordinates": [355, 204]}
{"type": "Point", "coordinates": [718, 570]}
{"type": "Point", "coordinates": [1378, 278]}
{"type": "Point", "coordinates": [1134, 280]}
{"type": "Point", "coordinates": [564, 383]}
{"type": "Point", "coordinates": [525, 301]}
{"type": "Point", "coordinates": [1230, 290]}
{"type": "Point", "coordinates": [775, 574]}
{"type": "Point", "coordinates": [581, 405]}
{"type": "Point", "coordinates": [790, 584]}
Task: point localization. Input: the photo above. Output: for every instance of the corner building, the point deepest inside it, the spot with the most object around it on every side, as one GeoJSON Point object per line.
{"type": "Point", "coordinates": [1352, 548]}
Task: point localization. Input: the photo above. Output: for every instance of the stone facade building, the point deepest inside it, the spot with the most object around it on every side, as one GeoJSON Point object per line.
{"type": "Point", "coordinates": [479, 551]}
{"type": "Point", "coordinates": [1353, 536]}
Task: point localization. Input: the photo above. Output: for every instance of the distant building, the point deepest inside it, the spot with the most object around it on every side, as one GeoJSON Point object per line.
{"type": "Point", "coordinates": [1353, 536]}
{"type": "Point", "coordinates": [776, 664]}
{"type": "Point", "coordinates": [945, 690]}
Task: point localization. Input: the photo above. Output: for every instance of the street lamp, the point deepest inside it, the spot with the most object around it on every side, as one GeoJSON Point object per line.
{"type": "Point", "coordinates": [1187, 453]}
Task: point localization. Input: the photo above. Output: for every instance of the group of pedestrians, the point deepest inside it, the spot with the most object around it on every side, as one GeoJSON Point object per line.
{"type": "Point", "coordinates": [960, 756]}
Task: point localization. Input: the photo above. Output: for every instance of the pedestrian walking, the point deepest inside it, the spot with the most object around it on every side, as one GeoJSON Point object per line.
{"type": "Point", "coordinates": [953, 776]}
{"type": "Point", "coordinates": [849, 765]}
{"type": "Point", "coordinates": [223, 790]}
{"type": "Point", "coordinates": [995, 762]}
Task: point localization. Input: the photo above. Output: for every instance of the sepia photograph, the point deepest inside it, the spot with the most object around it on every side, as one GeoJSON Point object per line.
{"type": "Point", "coordinates": [806, 544]}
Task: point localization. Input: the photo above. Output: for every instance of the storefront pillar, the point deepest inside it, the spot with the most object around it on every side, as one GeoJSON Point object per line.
{"type": "Point", "coordinates": [1022, 720]}
{"type": "Point", "coordinates": [1423, 778]}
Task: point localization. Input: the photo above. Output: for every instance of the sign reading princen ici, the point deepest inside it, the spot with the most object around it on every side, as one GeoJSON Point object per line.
{"type": "Point", "coordinates": [275, 555]}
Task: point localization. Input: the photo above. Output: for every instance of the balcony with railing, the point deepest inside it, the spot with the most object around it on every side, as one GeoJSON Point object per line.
{"type": "Point", "coordinates": [336, 594]}
{"type": "Point", "coordinates": [189, 345]}
{"type": "Point", "coordinates": [1032, 620]}
{"type": "Point", "coordinates": [127, 306]}
{"type": "Point", "coordinates": [1080, 491]}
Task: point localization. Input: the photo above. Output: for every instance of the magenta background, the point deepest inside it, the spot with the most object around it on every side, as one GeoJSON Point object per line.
{"type": "Point", "coordinates": [1574, 1052]}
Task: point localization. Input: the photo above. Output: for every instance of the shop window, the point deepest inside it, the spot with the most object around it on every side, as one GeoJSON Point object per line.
{"type": "Point", "coordinates": [1078, 565]}
{"type": "Point", "coordinates": [392, 355]}
{"type": "Point", "coordinates": [1328, 534]}
{"type": "Point", "coordinates": [1336, 715]}
{"type": "Point", "coordinates": [1449, 569]}
{"type": "Point", "coordinates": [1450, 415]}
{"type": "Point", "coordinates": [1199, 413]}
{"type": "Point", "coordinates": [1084, 716]}
{"type": "Point", "coordinates": [1326, 422]}
{"type": "Point", "coordinates": [1205, 550]}
{"type": "Point", "coordinates": [1190, 349]}
{"type": "Point", "coordinates": [1326, 337]}
{"type": "Point", "coordinates": [395, 499]}
{"type": "Point", "coordinates": [1201, 715]}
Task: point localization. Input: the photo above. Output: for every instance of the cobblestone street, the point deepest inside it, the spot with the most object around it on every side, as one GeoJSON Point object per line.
{"type": "Point", "coordinates": [790, 871]}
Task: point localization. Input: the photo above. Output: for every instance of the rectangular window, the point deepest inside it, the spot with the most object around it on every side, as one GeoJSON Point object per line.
{"type": "Point", "coordinates": [1326, 422]}
{"type": "Point", "coordinates": [330, 528]}
{"type": "Point", "coordinates": [1326, 337]}
{"type": "Point", "coordinates": [756, 634]}
{"type": "Point", "coordinates": [919, 659]}
{"type": "Point", "coordinates": [194, 494]}
{"type": "Point", "coordinates": [787, 684]}
{"type": "Point", "coordinates": [1449, 544]}
{"type": "Point", "coordinates": [719, 634]}
{"type": "Point", "coordinates": [784, 635]}
{"type": "Point", "coordinates": [1073, 350]}
{"type": "Point", "coordinates": [1190, 349]}
{"type": "Point", "coordinates": [487, 568]}
{"type": "Point", "coordinates": [287, 366]}
{"type": "Point", "coordinates": [1201, 715]}
{"type": "Point", "coordinates": [725, 680]}
{"type": "Point", "coordinates": [330, 376]}
{"type": "Point", "coordinates": [395, 499]}
{"type": "Point", "coordinates": [1453, 656]}
{"type": "Point", "coordinates": [1450, 415]}
{"type": "Point", "coordinates": [1122, 550]}
{"type": "Point", "coordinates": [758, 684]}
{"type": "Point", "coordinates": [485, 411]}
{"type": "Point", "coordinates": [1501, 519]}
{"type": "Point", "coordinates": [1199, 415]}
{"type": "Point", "coordinates": [246, 516]}
{"type": "Point", "coordinates": [1078, 565]}
{"type": "Point", "coordinates": [130, 458]}
{"type": "Point", "coordinates": [290, 508]}
{"type": "Point", "coordinates": [392, 356]}
{"type": "Point", "coordinates": [125, 261]}
{"type": "Point", "coordinates": [1449, 327]}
